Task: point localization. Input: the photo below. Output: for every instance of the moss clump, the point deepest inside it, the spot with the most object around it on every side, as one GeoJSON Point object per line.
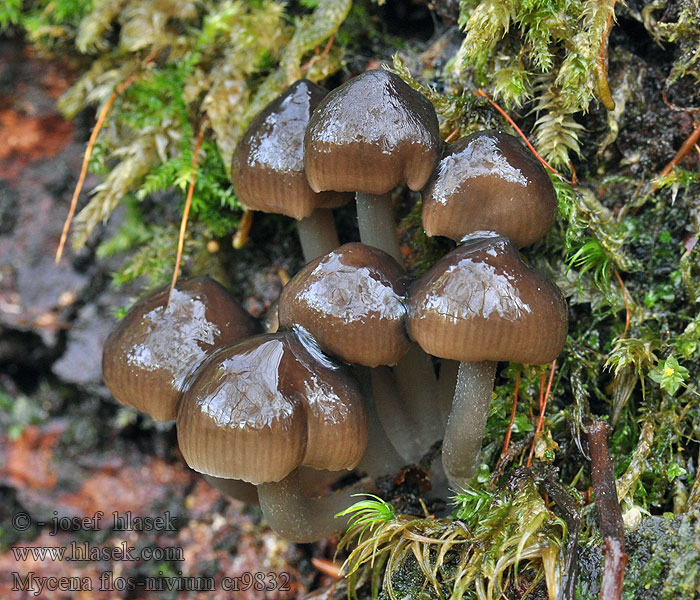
{"type": "Point", "coordinates": [664, 561]}
{"type": "Point", "coordinates": [173, 69]}
{"type": "Point", "coordinates": [492, 537]}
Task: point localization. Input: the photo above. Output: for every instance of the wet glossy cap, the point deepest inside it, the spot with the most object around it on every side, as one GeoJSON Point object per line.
{"type": "Point", "coordinates": [489, 181]}
{"type": "Point", "coordinates": [156, 346]}
{"type": "Point", "coordinates": [370, 135]}
{"type": "Point", "coordinates": [259, 409]}
{"type": "Point", "coordinates": [268, 164]}
{"type": "Point", "coordinates": [481, 302]}
{"type": "Point", "coordinates": [352, 302]}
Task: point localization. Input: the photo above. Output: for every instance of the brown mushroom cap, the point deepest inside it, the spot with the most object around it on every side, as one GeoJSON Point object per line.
{"type": "Point", "coordinates": [489, 181]}
{"type": "Point", "coordinates": [268, 164]}
{"type": "Point", "coordinates": [156, 346]}
{"type": "Point", "coordinates": [257, 410]}
{"type": "Point", "coordinates": [481, 302]}
{"type": "Point", "coordinates": [370, 135]}
{"type": "Point", "coordinates": [352, 302]}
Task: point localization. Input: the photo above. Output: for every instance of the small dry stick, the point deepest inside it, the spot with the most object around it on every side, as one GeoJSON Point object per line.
{"type": "Point", "coordinates": [685, 109]}
{"type": "Point", "coordinates": [602, 73]}
{"type": "Point", "coordinates": [240, 238]}
{"type": "Point", "coordinates": [506, 443]}
{"type": "Point", "coordinates": [283, 275]}
{"type": "Point", "coordinates": [624, 298]}
{"type": "Point", "coordinates": [515, 449]}
{"type": "Point", "coordinates": [318, 56]}
{"type": "Point", "coordinates": [506, 116]}
{"type": "Point", "coordinates": [120, 89]}
{"type": "Point", "coordinates": [543, 407]}
{"type": "Point", "coordinates": [609, 513]}
{"type": "Point", "coordinates": [328, 567]}
{"type": "Point", "coordinates": [453, 135]}
{"type": "Point", "coordinates": [687, 146]}
{"type": "Point", "coordinates": [574, 177]}
{"type": "Point", "coordinates": [188, 204]}
{"type": "Point", "coordinates": [539, 418]}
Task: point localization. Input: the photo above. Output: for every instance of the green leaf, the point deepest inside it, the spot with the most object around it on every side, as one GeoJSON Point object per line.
{"type": "Point", "coordinates": [674, 470]}
{"type": "Point", "coordinates": [669, 375]}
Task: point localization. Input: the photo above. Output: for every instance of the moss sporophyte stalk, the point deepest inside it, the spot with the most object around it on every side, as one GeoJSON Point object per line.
{"type": "Point", "coordinates": [606, 92]}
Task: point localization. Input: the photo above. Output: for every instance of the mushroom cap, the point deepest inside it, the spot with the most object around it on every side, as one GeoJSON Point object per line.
{"type": "Point", "coordinates": [268, 164]}
{"type": "Point", "coordinates": [482, 302]}
{"type": "Point", "coordinates": [352, 302]}
{"type": "Point", "coordinates": [149, 355]}
{"type": "Point", "coordinates": [259, 409]}
{"type": "Point", "coordinates": [489, 181]}
{"type": "Point", "coordinates": [370, 135]}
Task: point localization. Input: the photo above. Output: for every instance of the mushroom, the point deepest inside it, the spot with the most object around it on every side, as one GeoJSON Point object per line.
{"type": "Point", "coordinates": [268, 169]}
{"type": "Point", "coordinates": [368, 136]}
{"type": "Point", "coordinates": [152, 351]}
{"type": "Point", "coordinates": [480, 304]}
{"type": "Point", "coordinates": [352, 302]}
{"type": "Point", "coordinates": [488, 181]}
{"type": "Point", "coordinates": [258, 410]}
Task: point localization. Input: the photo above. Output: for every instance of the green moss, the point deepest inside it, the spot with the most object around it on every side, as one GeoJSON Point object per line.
{"type": "Point", "coordinates": [210, 64]}
{"type": "Point", "coordinates": [664, 561]}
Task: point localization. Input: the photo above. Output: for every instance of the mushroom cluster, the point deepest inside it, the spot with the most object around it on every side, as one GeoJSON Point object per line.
{"type": "Point", "coordinates": [345, 377]}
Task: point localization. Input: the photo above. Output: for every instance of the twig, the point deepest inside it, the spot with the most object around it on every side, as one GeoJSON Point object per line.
{"type": "Point", "coordinates": [188, 203]}
{"type": "Point", "coordinates": [506, 116]}
{"type": "Point", "coordinates": [119, 90]}
{"type": "Point", "coordinates": [515, 449]}
{"type": "Point", "coordinates": [609, 513]}
{"type": "Point", "coordinates": [506, 443]}
{"type": "Point", "coordinates": [318, 56]}
{"type": "Point", "coordinates": [240, 238]}
{"type": "Point", "coordinates": [539, 420]}
{"type": "Point", "coordinates": [543, 407]}
{"type": "Point", "coordinates": [328, 567]}
{"type": "Point", "coordinates": [689, 110]}
{"type": "Point", "coordinates": [602, 73]}
{"type": "Point", "coordinates": [624, 298]}
{"type": "Point", "coordinates": [453, 135]}
{"type": "Point", "coordinates": [687, 146]}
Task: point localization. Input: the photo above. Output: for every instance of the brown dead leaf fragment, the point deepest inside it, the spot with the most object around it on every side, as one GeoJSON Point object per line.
{"type": "Point", "coordinates": [28, 462]}
{"type": "Point", "coordinates": [29, 138]}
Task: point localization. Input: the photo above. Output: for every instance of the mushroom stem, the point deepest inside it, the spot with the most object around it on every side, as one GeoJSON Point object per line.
{"type": "Point", "coordinates": [446, 388]}
{"type": "Point", "coordinates": [400, 424]}
{"type": "Point", "coordinates": [237, 489]}
{"type": "Point", "coordinates": [418, 388]}
{"type": "Point", "coordinates": [300, 519]}
{"type": "Point", "coordinates": [467, 421]}
{"type": "Point", "coordinates": [375, 219]}
{"type": "Point", "coordinates": [382, 457]}
{"type": "Point", "coordinates": [414, 372]}
{"type": "Point", "coordinates": [317, 234]}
